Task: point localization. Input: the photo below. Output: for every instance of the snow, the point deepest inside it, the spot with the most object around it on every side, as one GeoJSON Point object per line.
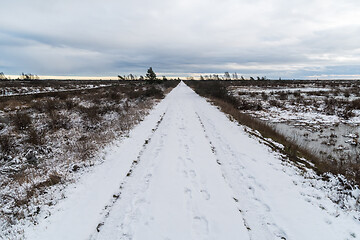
{"type": "Point", "coordinates": [188, 172]}
{"type": "Point", "coordinates": [269, 90]}
{"type": "Point", "coordinates": [9, 91]}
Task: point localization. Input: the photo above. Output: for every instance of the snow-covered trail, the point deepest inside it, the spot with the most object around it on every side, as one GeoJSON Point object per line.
{"type": "Point", "coordinates": [187, 172]}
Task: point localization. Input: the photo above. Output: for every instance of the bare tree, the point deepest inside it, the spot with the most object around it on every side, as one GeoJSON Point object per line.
{"type": "Point", "coordinates": [227, 76]}
{"type": "Point", "coordinates": [216, 77]}
{"type": "Point", "coordinates": [131, 77]}
{"type": "Point", "coordinates": [2, 76]}
{"type": "Point", "coordinates": [29, 76]}
{"type": "Point", "coordinates": [235, 76]}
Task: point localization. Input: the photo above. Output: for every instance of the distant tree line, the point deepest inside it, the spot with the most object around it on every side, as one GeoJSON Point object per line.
{"type": "Point", "coordinates": [228, 76]}
{"type": "Point", "coordinates": [23, 76]}
{"type": "Point", "coordinates": [29, 76]}
{"type": "Point", "coordinates": [149, 76]}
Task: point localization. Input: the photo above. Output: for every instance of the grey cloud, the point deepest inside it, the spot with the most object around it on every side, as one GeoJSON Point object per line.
{"type": "Point", "coordinates": [273, 37]}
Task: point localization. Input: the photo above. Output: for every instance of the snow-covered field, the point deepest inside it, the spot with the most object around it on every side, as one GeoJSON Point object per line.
{"type": "Point", "coordinates": [322, 116]}
{"type": "Point", "coordinates": [47, 142]}
{"type": "Point", "coordinates": [188, 172]}
{"type": "Point", "coordinates": [18, 88]}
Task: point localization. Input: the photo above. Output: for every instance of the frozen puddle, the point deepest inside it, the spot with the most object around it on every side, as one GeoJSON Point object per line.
{"type": "Point", "coordinates": [187, 172]}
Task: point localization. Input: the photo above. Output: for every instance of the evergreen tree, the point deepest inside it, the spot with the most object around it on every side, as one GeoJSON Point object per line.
{"type": "Point", "coordinates": [150, 74]}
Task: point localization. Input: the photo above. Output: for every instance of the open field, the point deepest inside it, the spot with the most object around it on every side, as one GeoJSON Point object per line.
{"type": "Point", "coordinates": [153, 159]}
{"type": "Point", "coordinates": [321, 116]}
{"type": "Point", "coordinates": [55, 129]}
{"type": "Point", "coordinates": [188, 172]}
{"type": "Point", "coordinates": [17, 87]}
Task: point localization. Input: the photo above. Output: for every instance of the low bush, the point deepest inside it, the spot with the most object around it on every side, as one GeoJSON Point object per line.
{"type": "Point", "coordinates": [70, 104]}
{"type": "Point", "coordinates": [154, 92]}
{"type": "Point", "coordinates": [355, 104]}
{"type": "Point", "coordinates": [21, 120]}
{"type": "Point", "coordinates": [58, 121]}
{"type": "Point", "coordinates": [297, 94]}
{"type": "Point", "coordinates": [253, 94]}
{"type": "Point", "coordinates": [276, 103]}
{"type": "Point", "coordinates": [91, 114]}
{"type": "Point", "coordinates": [35, 137]}
{"type": "Point", "coordinates": [330, 106]}
{"type": "Point", "coordinates": [283, 95]}
{"type": "Point", "coordinates": [6, 144]}
{"type": "Point", "coordinates": [247, 105]}
{"type": "Point", "coordinates": [264, 96]}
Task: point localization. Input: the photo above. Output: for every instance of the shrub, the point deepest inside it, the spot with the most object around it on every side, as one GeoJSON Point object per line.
{"type": "Point", "coordinates": [253, 94]}
{"type": "Point", "coordinates": [6, 144]}
{"type": "Point", "coordinates": [136, 94]}
{"type": "Point", "coordinates": [114, 95]}
{"type": "Point", "coordinates": [154, 92]}
{"type": "Point", "coordinates": [21, 120]}
{"type": "Point", "coordinates": [264, 96]}
{"type": "Point", "coordinates": [70, 104]}
{"type": "Point", "coordinates": [52, 104]}
{"type": "Point", "coordinates": [246, 105]}
{"type": "Point", "coordinates": [91, 114]}
{"type": "Point", "coordinates": [283, 95]}
{"type": "Point", "coordinates": [58, 121]}
{"type": "Point", "coordinates": [35, 137]}
{"type": "Point", "coordinates": [355, 104]}
{"type": "Point", "coordinates": [276, 103]}
{"type": "Point", "coordinates": [54, 178]}
{"type": "Point", "coordinates": [330, 106]}
{"type": "Point", "coordinates": [297, 94]}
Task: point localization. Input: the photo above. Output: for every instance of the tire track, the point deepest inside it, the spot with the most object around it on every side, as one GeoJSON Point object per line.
{"type": "Point", "coordinates": [268, 224]}
{"type": "Point", "coordinates": [200, 224]}
{"type": "Point", "coordinates": [117, 197]}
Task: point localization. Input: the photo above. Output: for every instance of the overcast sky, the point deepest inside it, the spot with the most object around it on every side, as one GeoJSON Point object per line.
{"type": "Point", "coordinates": [273, 38]}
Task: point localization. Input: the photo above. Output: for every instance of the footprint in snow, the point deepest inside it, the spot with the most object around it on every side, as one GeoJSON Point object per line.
{"type": "Point", "coordinates": [192, 173]}
{"type": "Point", "coordinates": [188, 192]}
{"type": "Point", "coordinates": [251, 189]}
{"type": "Point", "coordinates": [205, 194]}
{"type": "Point", "coordinates": [328, 221]}
{"type": "Point", "coordinates": [201, 225]}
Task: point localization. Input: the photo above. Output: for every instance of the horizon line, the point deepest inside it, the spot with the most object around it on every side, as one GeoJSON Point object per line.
{"type": "Point", "coordinates": [189, 76]}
